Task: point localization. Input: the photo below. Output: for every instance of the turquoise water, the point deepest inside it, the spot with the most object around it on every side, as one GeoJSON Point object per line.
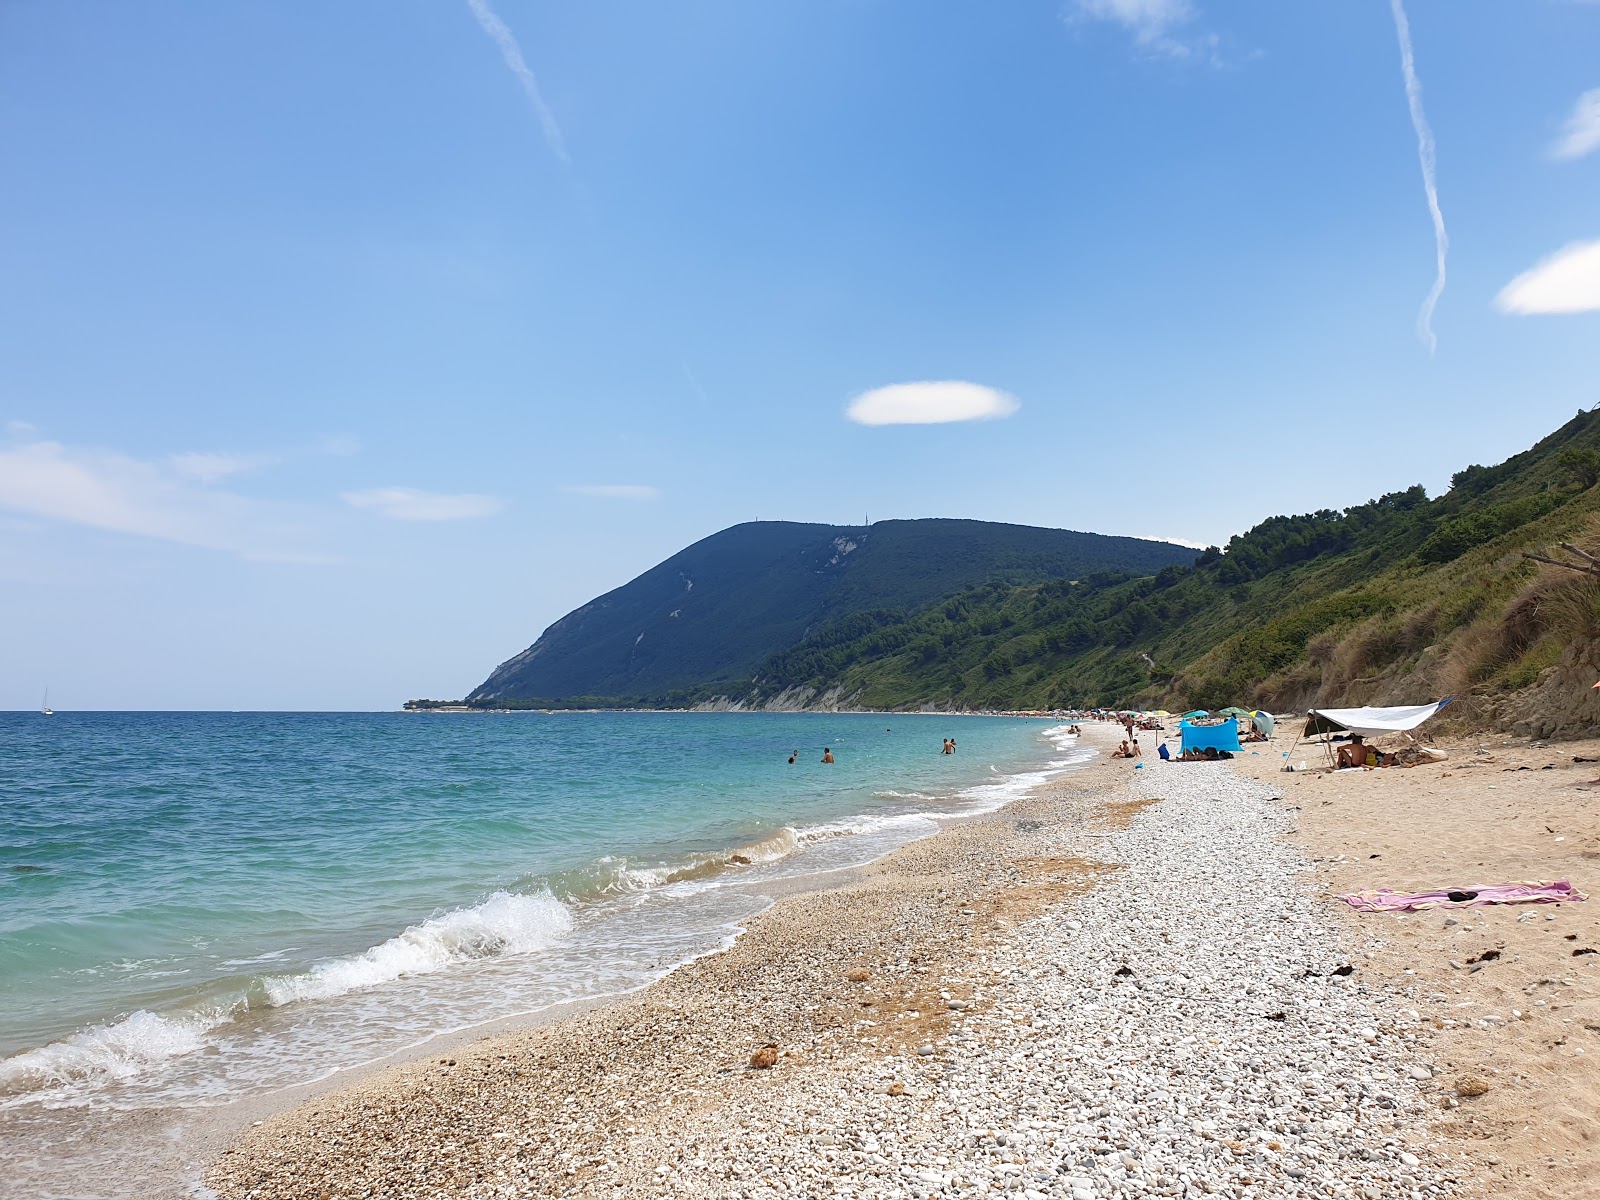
{"type": "Point", "coordinates": [200, 906]}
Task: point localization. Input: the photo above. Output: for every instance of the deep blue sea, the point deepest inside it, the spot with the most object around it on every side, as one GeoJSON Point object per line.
{"type": "Point", "coordinates": [196, 907]}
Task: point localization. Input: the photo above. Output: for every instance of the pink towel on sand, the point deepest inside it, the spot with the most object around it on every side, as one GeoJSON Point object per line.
{"type": "Point", "coordinates": [1385, 900]}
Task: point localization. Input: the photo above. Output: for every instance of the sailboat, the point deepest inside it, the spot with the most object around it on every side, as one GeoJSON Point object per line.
{"type": "Point", "coordinates": [45, 708]}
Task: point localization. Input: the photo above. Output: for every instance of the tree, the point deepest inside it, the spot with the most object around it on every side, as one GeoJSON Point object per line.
{"type": "Point", "coordinates": [1582, 463]}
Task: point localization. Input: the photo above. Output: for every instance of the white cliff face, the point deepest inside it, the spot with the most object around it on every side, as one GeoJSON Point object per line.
{"type": "Point", "coordinates": [791, 699]}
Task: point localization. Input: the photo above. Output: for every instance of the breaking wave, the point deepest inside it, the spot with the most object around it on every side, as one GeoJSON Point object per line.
{"type": "Point", "coordinates": [502, 924]}
{"type": "Point", "coordinates": [106, 1053]}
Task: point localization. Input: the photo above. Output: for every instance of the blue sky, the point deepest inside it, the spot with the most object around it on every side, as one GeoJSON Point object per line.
{"type": "Point", "coordinates": [344, 347]}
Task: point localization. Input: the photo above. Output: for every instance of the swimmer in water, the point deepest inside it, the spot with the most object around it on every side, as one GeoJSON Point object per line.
{"type": "Point", "coordinates": [827, 755]}
{"type": "Point", "coordinates": [793, 756]}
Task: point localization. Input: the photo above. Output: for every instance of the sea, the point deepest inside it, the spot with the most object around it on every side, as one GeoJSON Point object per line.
{"type": "Point", "coordinates": [200, 911]}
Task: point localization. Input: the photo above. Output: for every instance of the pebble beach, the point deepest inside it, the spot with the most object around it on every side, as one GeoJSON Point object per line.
{"type": "Point", "coordinates": [1131, 983]}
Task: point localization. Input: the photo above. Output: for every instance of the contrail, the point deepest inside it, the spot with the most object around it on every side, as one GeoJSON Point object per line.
{"type": "Point", "coordinates": [1425, 153]}
{"type": "Point", "coordinates": [512, 53]}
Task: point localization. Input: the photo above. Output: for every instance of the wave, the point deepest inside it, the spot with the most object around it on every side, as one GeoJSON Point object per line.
{"type": "Point", "coordinates": [537, 917]}
{"type": "Point", "coordinates": [121, 1050]}
{"type": "Point", "coordinates": [106, 1053]}
{"type": "Point", "coordinates": [502, 924]}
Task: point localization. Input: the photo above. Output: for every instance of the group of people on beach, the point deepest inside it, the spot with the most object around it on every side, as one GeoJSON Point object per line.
{"type": "Point", "coordinates": [1128, 749]}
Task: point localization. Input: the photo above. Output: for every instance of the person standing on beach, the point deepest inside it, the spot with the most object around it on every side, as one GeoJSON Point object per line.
{"type": "Point", "coordinates": [827, 755]}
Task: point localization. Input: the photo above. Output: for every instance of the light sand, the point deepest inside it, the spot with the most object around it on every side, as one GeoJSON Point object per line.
{"type": "Point", "coordinates": [1527, 1021]}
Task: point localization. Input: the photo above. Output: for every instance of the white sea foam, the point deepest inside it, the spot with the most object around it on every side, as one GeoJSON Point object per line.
{"type": "Point", "coordinates": [502, 924]}
{"type": "Point", "coordinates": [864, 824]}
{"type": "Point", "coordinates": [986, 797]}
{"type": "Point", "coordinates": [114, 1051]}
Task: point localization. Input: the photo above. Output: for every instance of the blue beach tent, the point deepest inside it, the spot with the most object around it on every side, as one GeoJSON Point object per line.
{"type": "Point", "coordinates": [1205, 737]}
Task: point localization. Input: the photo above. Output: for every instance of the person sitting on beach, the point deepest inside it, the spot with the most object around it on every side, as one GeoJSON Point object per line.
{"type": "Point", "coordinates": [1122, 751]}
{"type": "Point", "coordinates": [827, 755]}
{"type": "Point", "coordinates": [1133, 749]}
{"type": "Point", "coordinates": [1353, 755]}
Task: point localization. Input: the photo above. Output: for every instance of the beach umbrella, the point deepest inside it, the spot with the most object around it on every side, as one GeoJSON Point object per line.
{"type": "Point", "coordinates": [1233, 711]}
{"type": "Point", "coordinates": [1197, 713]}
{"type": "Point", "coordinates": [1161, 712]}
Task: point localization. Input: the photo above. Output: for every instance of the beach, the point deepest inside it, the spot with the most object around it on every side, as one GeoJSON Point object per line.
{"type": "Point", "coordinates": [1131, 982]}
{"type": "Point", "coordinates": [1506, 993]}
{"type": "Point", "coordinates": [208, 917]}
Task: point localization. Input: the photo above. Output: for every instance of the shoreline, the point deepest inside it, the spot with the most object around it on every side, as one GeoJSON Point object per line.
{"type": "Point", "coordinates": [886, 880]}
{"type": "Point", "coordinates": [180, 1141]}
{"type": "Point", "coordinates": [973, 940]}
{"type": "Point", "coordinates": [880, 1000]}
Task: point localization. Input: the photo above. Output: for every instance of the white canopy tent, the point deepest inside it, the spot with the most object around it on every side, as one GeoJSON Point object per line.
{"type": "Point", "coordinates": [1365, 722]}
{"type": "Point", "coordinates": [1370, 722]}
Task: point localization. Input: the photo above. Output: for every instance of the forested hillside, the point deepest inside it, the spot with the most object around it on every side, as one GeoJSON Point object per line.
{"type": "Point", "coordinates": [711, 613]}
{"type": "Point", "coordinates": [1399, 599]}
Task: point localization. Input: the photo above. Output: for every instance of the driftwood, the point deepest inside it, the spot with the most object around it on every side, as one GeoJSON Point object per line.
{"type": "Point", "coordinates": [1590, 565]}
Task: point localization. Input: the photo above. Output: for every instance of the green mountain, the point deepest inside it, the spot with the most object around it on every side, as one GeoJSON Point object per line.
{"type": "Point", "coordinates": [710, 614]}
{"type": "Point", "coordinates": [1402, 599]}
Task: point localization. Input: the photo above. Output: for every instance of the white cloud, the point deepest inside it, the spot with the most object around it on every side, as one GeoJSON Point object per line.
{"type": "Point", "coordinates": [512, 53]}
{"type": "Point", "coordinates": [1155, 26]}
{"type": "Point", "coordinates": [932, 403]}
{"type": "Point", "coordinates": [114, 492]}
{"type": "Point", "coordinates": [20, 428]}
{"type": "Point", "coordinates": [1148, 20]}
{"type": "Point", "coordinates": [615, 491]}
{"type": "Point", "coordinates": [1427, 156]}
{"type": "Point", "coordinates": [1582, 133]}
{"type": "Point", "coordinates": [211, 468]}
{"type": "Point", "coordinates": [412, 504]}
{"type": "Point", "coordinates": [1566, 282]}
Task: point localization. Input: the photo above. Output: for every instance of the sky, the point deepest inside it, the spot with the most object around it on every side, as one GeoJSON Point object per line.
{"type": "Point", "coordinates": [345, 347]}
